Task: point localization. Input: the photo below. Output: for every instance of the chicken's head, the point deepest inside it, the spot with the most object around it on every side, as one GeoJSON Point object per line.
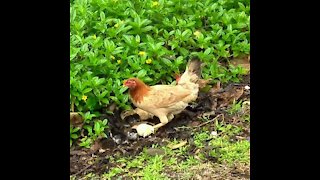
{"type": "Point", "coordinates": [130, 83]}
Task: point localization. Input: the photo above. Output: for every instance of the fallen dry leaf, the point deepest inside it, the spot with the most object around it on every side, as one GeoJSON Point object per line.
{"type": "Point", "coordinates": [217, 87]}
{"type": "Point", "coordinates": [242, 61]}
{"type": "Point", "coordinates": [112, 107]}
{"type": "Point", "coordinates": [214, 101]}
{"type": "Point", "coordinates": [176, 146]}
{"type": "Point", "coordinates": [77, 152]}
{"type": "Point", "coordinates": [206, 115]}
{"type": "Point", "coordinates": [203, 83]}
{"type": "Point", "coordinates": [97, 145]}
{"type": "Point", "coordinates": [76, 120]}
{"type": "Point", "coordinates": [155, 151]}
{"type": "Point", "coordinates": [219, 97]}
{"type": "Point", "coordinates": [197, 151]}
{"type": "Point", "coordinates": [228, 95]}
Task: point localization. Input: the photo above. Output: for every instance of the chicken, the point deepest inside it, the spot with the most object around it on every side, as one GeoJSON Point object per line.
{"type": "Point", "coordinates": [144, 115]}
{"type": "Point", "coordinates": [165, 101]}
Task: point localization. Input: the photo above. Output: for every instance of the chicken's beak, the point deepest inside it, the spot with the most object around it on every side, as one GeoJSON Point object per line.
{"type": "Point", "coordinates": [124, 83]}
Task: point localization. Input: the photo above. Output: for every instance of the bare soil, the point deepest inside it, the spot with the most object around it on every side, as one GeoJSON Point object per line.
{"type": "Point", "coordinates": [125, 142]}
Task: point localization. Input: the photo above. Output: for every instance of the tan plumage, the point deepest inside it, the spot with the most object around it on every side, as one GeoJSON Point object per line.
{"type": "Point", "coordinates": [164, 101]}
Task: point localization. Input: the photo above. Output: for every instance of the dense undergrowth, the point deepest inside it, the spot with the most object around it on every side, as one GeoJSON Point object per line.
{"type": "Point", "coordinates": [111, 40]}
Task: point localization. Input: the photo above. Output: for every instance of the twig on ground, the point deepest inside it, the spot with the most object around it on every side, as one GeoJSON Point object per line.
{"type": "Point", "coordinates": [82, 170]}
{"type": "Point", "coordinates": [210, 121]}
{"type": "Point", "coordinates": [85, 168]}
{"type": "Point", "coordinates": [182, 127]}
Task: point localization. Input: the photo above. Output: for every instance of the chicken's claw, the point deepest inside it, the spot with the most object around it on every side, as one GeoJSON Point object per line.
{"type": "Point", "coordinates": [127, 113]}
{"type": "Point", "coordinates": [144, 115]}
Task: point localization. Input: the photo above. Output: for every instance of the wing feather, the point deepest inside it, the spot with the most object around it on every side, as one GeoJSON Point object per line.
{"type": "Point", "coordinates": [163, 96]}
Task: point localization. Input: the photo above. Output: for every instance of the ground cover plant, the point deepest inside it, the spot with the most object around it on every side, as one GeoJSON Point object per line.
{"type": "Point", "coordinates": [112, 40]}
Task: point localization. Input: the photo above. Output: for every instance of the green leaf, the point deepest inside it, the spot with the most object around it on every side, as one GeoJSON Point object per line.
{"type": "Point", "coordinates": [105, 122]}
{"type": "Point", "coordinates": [97, 127]}
{"type": "Point", "coordinates": [147, 28]}
{"type": "Point", "coordinates": [137, 38]}
{"type": "Point", "coordinates": [166, 61]}
{"type": "Point", "coordinates": [183, 51]}
{"type": "Point", "coordinates": [89, 129]}
{"type": "Point", "coordinates": [86, 90]}
{"type": "Point", "coordinates": [186, 33]}
{"type": "Point", "coordinates": [207, 51]}
{"type": "Point", "coordinates": [103, 135]}
{"type": "Point", "coordinates": [100, 81]}
{"type": "Point", "coordinates": [103, 94]}
{"type": "Point", "coordinates": [75, 129]}
{"type": "Point", "coordinates": [84, 48]}
{"type": "Point", "coordinates": [74, 136]}
{"type": "Point", "coordinates": [91, 103]}
{"type": "Point", "coordinates": [127, 39]}
{"type": "Point", "coordinates": [106, 101]}
{"type": "Point", "coordinates": [141, 73]}
{"type": "Point", "coordinates": [74, 53]}
{"type": "Point", "coordinates": [179, 60]}
{"type": "Point", "coordinates": [229, 27]}
{"type": "Point", "coordinates": [102, 16]}
{"type": "Point", "coordinates": [123, 89]}
{"type": "Point", "coordinates": [148, 79]}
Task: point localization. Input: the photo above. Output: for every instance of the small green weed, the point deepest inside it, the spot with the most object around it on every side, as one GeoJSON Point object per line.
{"type": "Point", "coordinates": [189, 162]}
{"type": "Point", "coordinates": [229, 152]}
{"type": "Point", "coordinates": [240, 109]}
{"type": "Point", "coordinates": [200, 138]}
{"type": "Point", "coordinates": [227, 130]}
{"type": "Point", "coordinates": [112, 173]}
{"type": "Point", "coordinates": [235, 107]}
{"type": "Point", "coordinates": [73, 134]}
{"type": "Point", "coordinates": [95, 131]}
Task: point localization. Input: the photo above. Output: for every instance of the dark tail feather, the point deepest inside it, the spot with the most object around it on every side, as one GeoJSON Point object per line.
{"type": "Point", "coordinates": [195, 66]}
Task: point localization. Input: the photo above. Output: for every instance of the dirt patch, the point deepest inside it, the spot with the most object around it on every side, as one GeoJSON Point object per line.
{"type": "Point", "coordinates": [208, 171]}
{"type": "Point", "coordinates": [124, 141]}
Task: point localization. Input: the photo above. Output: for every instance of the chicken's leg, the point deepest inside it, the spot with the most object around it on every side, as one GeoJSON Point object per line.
{"type": "Point", "coordinates": [163, 121]}
{"type": "Point", "coordinates": [170, 117]}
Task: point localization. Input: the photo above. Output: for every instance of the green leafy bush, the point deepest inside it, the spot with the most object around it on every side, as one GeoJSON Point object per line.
{"type": "Point", "coordinates": [111, 40]}
{"type": "Point", "coordinates": [94, 129]}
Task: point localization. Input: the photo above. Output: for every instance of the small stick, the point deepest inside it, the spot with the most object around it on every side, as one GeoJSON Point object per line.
{"type": "Point", "coordinates": [82, 170]}
{"type": "Point", "coordinates": [79, 172]}
{"type": "Point", "coordinates": [183, 127]}
{"type": "Point", "coordinates": [209, 121]}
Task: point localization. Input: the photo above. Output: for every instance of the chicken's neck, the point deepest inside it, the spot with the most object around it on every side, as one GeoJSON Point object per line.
{"type": "Point", "coordinates": [139, 92]}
